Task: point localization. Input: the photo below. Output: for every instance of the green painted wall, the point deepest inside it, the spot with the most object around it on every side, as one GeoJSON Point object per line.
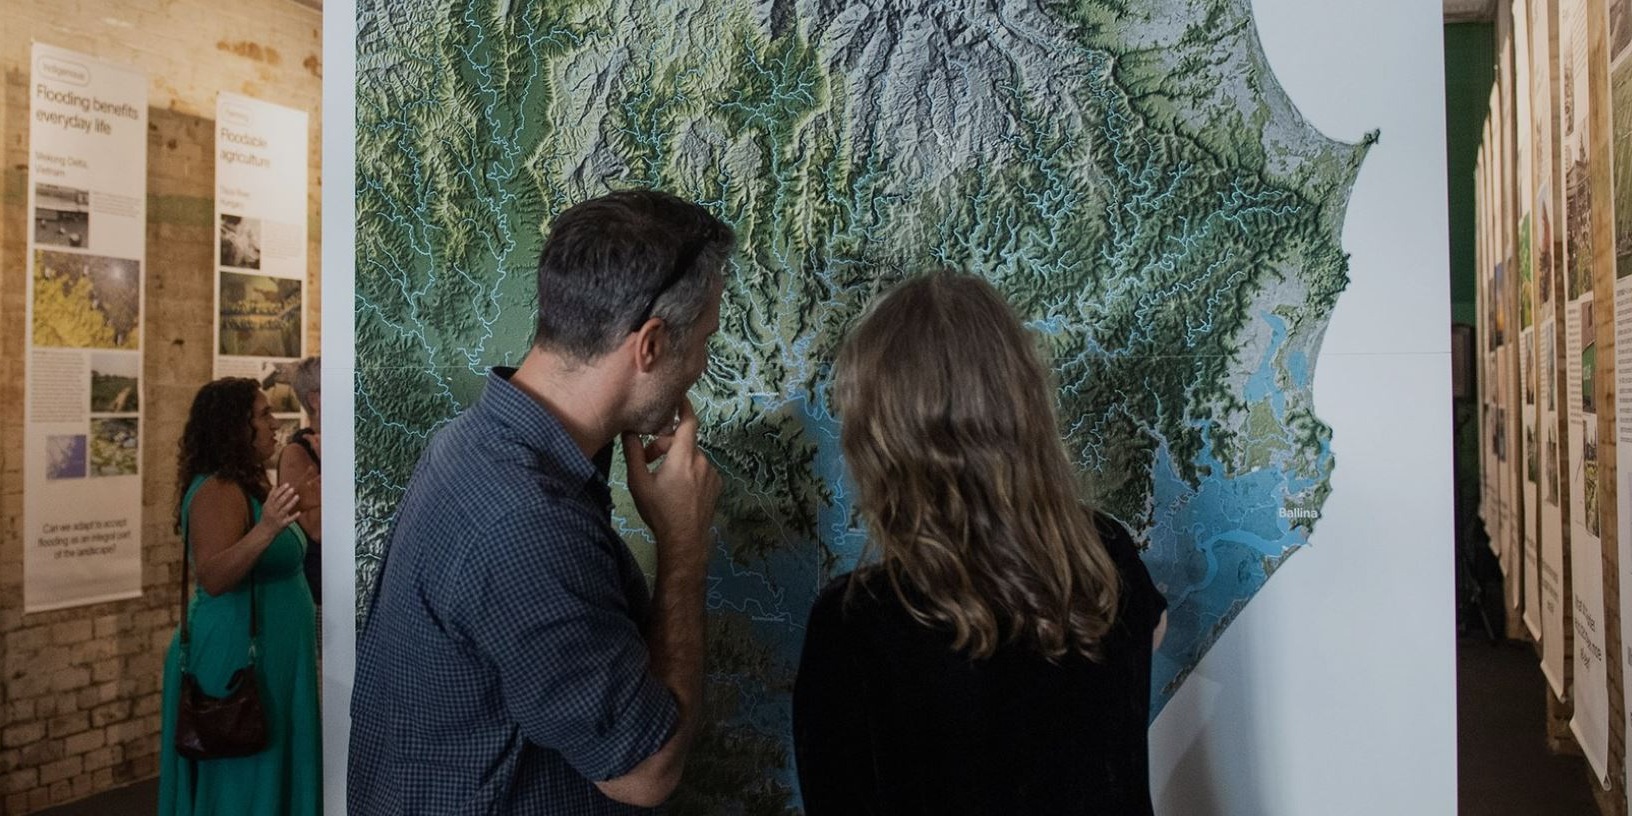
{"type": "Point", "coordinates": [1469, 72]}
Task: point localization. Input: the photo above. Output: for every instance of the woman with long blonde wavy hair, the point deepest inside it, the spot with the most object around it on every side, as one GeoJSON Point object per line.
{"type": "Point", "coordinates": [993, 657]}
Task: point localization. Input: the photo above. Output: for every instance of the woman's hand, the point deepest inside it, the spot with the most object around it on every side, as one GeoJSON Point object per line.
{"type": "Point", "coordinates": [280, 509]}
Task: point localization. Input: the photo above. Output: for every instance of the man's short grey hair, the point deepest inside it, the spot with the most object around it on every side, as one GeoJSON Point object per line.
{"type": "Point", "coordinates": [611, 263]}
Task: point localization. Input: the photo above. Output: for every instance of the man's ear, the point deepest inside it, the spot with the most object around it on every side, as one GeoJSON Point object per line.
{"type": "Point", "coordinates": [651, 342]}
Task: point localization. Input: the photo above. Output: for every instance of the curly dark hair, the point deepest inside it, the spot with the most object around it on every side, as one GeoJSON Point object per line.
{"type": "Point", "coordinates": [220, 439]}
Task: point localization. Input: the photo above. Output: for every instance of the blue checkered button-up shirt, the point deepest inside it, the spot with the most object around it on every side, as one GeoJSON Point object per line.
{"type": "Point", "coordinates": [501, 667]}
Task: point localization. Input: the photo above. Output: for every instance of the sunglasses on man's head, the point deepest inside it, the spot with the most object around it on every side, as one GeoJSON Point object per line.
{"type": "Point", "coordinates": [682, 264]}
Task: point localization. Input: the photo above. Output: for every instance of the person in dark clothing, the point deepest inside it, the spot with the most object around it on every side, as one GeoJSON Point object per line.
{"type": "Point", "coordinates": [300, 463]}
{"type": "Point", "coordinates": [514, 659]}
{"type": "Point", "coordinates": [993, 657]}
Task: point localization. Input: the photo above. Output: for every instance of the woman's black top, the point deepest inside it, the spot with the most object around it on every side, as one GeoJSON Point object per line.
{"type": "Point", "coordinates": [888, 719]}
{"type": "Point", "coordinates": [313, 565]}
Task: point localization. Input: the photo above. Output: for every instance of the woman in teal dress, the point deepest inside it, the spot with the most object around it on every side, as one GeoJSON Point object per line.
{"type": "Point", "coordinates": [240, 532]}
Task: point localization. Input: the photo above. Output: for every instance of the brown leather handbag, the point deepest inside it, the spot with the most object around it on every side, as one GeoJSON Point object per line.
{"type": "Point", "coordinates": [219, 727]}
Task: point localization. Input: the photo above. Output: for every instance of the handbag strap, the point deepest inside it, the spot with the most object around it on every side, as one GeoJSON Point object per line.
{"type": "Point", "coordinates": [186, 586]}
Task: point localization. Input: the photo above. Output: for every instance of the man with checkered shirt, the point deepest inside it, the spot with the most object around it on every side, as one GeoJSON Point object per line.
{"type": "Point", "coordinates": [512, 660]}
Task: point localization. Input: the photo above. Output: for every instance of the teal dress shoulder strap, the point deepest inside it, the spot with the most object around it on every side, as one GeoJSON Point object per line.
{"type": "Point", "coordinates": [187, 509]}
{"type": "Point", "coordinates": [187, 502]}
{"type": "Point", "coordinates": [192, 490]}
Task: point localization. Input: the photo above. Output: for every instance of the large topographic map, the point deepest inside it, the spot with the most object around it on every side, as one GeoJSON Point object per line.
{"type": "Point", "coordinates": [1128, 172]}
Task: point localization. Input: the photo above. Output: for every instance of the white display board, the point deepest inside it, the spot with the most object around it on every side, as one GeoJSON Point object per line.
{"type": "Point", "coordinates": [1512, 553]}
{"type": "Point", "coordinates": [82, 413]}
{"type": "Point", "coordinates": [339, 629]}
{"type": "Point", "coordinates": [1549, 250]}
{"type": "Point", "coordinates": [261, 160]}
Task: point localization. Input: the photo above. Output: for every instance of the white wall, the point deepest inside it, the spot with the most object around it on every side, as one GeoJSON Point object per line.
{"type": "Point", "coordinates": [339, 369]}
{"type": "Point", "coordinates": [1333, 692]}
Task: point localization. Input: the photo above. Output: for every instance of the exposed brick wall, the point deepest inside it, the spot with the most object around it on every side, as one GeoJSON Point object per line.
{"type": "Point", "coordinates": [80, 688]}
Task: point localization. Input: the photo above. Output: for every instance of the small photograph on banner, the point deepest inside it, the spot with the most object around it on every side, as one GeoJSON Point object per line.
{"type": "Point", "coordinates": [287, 426]}
{"type": "Point", "coordinates": [1544, 244]}
{"type": "Point", "coordinates": [1589, 359]}
{"type": "Point", "coordinates": [275, 382]}
{"type": "Point", "coordinates": [275, 379]}
{"type": "Point", "coordinates": [1551, 466]}
{"type": "Point", "coordinates": [1589, 475]}
{"type": "Point", "coordinates": [113, 447]}
{"type": "Point", "coordinates": [1578, 226]}
{"type": "Point", "coordinates": [260, 315]}
{"type": "Point", "coordinates": [1527, 291]}
{"type": "Point", "coordinates": [115, 383]}
{"type": "Point", "coordinates": [65, 457]}
{"type": "Point", "coordinates": [62, 216]}
{"type": "Point", "coordinates": [240, 242]}
{"type": "Point", "coordinates": [1498, 308]}
{"type": "Point", "coordinates": [1532, 457]}
{"type": "Point", "coordinates": [1527, 348]}
{"type": "Point", "coordinates": [1622, 113]}
{"type": "Point", "coordinates": [1498, 438]}
{"type": "Point", "coordinates": [86, 301]}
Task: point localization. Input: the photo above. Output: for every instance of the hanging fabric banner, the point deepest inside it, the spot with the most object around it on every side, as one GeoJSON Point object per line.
{"type": "Point", "coordinates": [1488, 339]}
{"type": "Point", "coordinates": [1590, 724]}
{"type": "Point", "coordinates": [1548, 240]}
{"type": "Point", "coordinates": [87, 239]}
{"type": "Point", "coordinates": [260, 214]}
{"type": "Point", "coordinates": [1525, 258]}
{"type": "Point", "coordinates": [1620, 81]}
{"type": "Point", "coordinates": [1512, 553]}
